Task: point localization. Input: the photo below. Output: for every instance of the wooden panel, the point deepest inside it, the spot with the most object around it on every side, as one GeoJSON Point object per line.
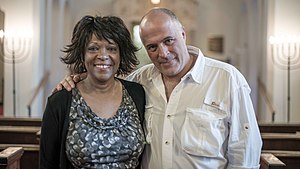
{"type": "Point", "coordinates": [18, 135]}
{"type": "Point", "coordinates": [269, 161]}
{"type": "Point", "coordinates": [281, 141]}
{"type": "Point", "coordinates": [13, 121]}
{"type": "Point", "coordinates": [279, 127]}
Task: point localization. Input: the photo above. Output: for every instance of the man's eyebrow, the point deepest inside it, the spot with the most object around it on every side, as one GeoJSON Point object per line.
{"type": "Point", "coordinates": [168, 37]}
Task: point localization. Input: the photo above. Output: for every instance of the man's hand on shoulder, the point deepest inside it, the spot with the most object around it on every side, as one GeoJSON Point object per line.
{"type": "Point", "coordinates": [69, 82]}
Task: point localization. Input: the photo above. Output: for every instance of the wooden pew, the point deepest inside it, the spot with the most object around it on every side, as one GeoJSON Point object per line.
{"type": "Point", "coordinates": [30, 158]}
{"type": "Point", "coordinates": [269, 161]}
{"type": "Point", "coordinates": [279, 127]}
{"type": "Point", "coordinates": [290, 158]}
{"type": "Point", "coordinates": [19, 134]}
{"type": "Point", "coordinates": [281, 141]}
{"type": "Point", "coordinates": [17, 121]}
{"type": "Point", "coordinates": [38, 135]}
{"type": "Point", "coordinates": [22, 132]}
{"type": "Point", "coordinates": [10, 158]}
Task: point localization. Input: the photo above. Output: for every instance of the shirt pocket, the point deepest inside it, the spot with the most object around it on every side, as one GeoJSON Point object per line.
{"type": "Point", "coordinates": [148, 119]}
{"type": "Point", "coordinates": [203, 131]}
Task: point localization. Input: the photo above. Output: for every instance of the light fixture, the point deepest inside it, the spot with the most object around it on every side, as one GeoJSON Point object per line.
{"type": "Point", "coordinates": [155, 2]}
{"type": "Point", "coordinates": [1, 34]}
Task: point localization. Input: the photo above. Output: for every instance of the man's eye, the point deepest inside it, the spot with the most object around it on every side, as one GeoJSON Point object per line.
{"type": "Point", "coordinates": [151, 48]}
{"type": "Point", "coordinates": [169, 41]}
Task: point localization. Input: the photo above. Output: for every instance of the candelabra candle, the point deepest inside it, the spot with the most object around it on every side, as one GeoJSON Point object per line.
{"type": "Point", "coordinates": [285, 51]}
{"type": "Point", "coordinates": [14, 50]}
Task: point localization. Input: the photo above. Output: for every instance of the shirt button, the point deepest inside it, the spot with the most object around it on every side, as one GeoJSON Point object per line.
{"type": "Point", "coordinates": [168, 116]}
{"type": "Point", "coordinates": [167, 142]}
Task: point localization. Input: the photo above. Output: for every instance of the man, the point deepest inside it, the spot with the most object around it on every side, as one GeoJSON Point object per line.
{"type": "Point", "coordinates": [199, 112]}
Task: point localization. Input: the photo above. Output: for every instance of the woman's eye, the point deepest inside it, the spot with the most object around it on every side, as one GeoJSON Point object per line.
{"type": "Point", "coordinates": [112, 49]}
{"type": "Point", "coordinates": [93, 49]}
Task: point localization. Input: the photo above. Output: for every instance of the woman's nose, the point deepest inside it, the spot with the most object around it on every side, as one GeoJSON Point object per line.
{"type": "Point", "coordinates": [103, 55]}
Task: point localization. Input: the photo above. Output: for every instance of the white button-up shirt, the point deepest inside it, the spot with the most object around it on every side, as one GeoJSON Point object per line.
{"type": "Point", "coordinates": [208, 123]}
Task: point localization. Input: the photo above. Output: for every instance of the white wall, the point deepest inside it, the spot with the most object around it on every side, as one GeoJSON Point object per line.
{"type": "Point", "coordinates": [239, 22]}
{"type": "Point", "coordinates": [217, 17]}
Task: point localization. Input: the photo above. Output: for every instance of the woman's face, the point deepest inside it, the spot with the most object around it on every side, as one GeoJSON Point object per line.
{"type": "Point", "coordinates": [102, 59]}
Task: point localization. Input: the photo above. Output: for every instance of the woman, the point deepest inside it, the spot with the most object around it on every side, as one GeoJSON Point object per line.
{"type": "Point", "coordinates": [97, 124]}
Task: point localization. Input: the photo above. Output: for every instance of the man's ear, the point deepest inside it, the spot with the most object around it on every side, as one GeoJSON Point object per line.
{"type": "Point", "coordinates": [183, 33]}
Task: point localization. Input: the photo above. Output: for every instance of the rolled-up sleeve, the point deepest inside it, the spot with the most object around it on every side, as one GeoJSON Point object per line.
{"type": "Point", "coordinates": [245, 143]}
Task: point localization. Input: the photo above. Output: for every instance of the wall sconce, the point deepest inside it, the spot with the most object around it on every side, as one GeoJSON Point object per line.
{"type": "Point", "coordinates": [155, 2]}
{"type": "Point", "coordinates": [14, 48]}
{"type": "Point", "coordinates": [285, 51]}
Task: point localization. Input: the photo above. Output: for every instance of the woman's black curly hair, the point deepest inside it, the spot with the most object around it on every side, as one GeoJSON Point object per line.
{"type": "Point", "coordinates": [109, 28]}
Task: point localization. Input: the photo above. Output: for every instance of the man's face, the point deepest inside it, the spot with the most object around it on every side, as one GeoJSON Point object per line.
{"type": "Point", "coordinates": [164, 40]}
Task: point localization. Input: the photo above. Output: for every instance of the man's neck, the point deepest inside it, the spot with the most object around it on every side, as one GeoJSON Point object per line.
{"type": "Point", "coordinates": [171, 82]}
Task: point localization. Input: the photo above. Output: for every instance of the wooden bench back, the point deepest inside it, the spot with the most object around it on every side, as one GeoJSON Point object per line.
{"type": "Point", "coordinates": [10, 158]}
{"type": "Point", "coordinates": [279, 127]}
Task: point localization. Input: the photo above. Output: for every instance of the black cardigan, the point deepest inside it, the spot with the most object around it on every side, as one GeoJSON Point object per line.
{"type": "Point", "coordinates": [55, 124]}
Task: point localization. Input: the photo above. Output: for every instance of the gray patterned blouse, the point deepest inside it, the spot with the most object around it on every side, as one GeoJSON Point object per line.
{"type": "Point", "coordinates": [95, 142]}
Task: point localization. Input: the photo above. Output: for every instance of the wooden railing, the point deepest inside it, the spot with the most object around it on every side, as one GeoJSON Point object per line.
{"type": "Point", "coordinates": [269, 161]}
{"type": "Point", "coordinates": [42, 83]}
{"type": "Point", "coordinates": [10, 158]}
{"type": "Point", "coordinates": [266, 97]}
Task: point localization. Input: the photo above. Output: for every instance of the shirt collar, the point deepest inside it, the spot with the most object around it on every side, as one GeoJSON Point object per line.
{"type": "Point", "coordinates": [154, 73]}
{"type": "Point", "coordinates": [197, 71]}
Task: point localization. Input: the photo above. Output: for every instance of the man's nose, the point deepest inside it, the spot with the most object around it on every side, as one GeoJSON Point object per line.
{"type": "Point", "coordinates": [163, 50]}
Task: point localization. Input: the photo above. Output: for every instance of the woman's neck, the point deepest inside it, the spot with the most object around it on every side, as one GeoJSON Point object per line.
{"type": "Point", "coordinates": [89, 86]}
